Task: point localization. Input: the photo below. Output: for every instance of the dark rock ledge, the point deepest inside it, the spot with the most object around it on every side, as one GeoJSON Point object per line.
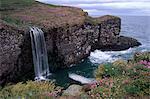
{"type": "Point", "coordinates": [70, 37]}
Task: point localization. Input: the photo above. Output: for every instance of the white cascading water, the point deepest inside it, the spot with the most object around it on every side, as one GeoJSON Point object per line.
{"type": "Point", "coordinates": [39, 51]}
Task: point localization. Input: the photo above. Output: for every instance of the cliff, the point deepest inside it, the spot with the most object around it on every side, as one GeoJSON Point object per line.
{"type": "Point", "coordinates": [70, 36]}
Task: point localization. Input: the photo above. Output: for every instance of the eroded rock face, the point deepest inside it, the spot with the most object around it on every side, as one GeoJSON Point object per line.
{"type": "Point", "coordinates": [10, 41]}
{"type": "Point", "coordinates": [72, 44]}
{"type": "Point", "coordinates": [109, 30]}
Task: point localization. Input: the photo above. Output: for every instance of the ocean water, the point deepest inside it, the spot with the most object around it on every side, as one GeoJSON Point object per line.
{"type": "Point", "coordinates": [137, 27]}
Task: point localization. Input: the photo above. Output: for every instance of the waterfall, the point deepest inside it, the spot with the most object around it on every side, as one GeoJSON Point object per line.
{"type": "Point", "coordinates": [39, 52]}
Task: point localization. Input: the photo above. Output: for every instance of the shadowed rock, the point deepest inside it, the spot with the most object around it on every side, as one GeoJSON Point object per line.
{"type": "Point", "coordinates": [122, 43]}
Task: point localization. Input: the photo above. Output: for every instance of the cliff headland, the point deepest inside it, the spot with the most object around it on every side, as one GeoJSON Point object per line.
{"type": "Point", "coordinates": [70, 36]}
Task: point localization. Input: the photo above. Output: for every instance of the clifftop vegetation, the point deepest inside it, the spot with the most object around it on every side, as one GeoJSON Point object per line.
{"type": "Point", "coordinates": [31, 12]}
{"type": "Point", "coordinates": [24, 13]}
{"type": "Point", "coordinates": [7, 5]}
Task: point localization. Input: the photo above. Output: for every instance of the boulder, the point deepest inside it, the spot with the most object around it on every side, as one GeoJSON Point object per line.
{"type": "Point", "coordinates": [73, 90]}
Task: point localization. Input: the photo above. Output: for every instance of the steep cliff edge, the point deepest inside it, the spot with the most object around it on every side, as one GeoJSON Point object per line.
{"type": "Point", "coordinates": [70, 36]}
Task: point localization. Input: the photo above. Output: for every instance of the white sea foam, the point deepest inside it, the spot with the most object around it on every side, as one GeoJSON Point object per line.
{"type": "Point", "coordinates": [81, 79]}
{"type": "Point", "coordinates": [99, 56]}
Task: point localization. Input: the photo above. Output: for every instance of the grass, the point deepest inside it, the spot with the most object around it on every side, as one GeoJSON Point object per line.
{"type": "Point", "coordinates": [6, 5]}
{"type": "Point", "coordinates": [15, 4]}
{"type": "Point", "coordinates": [12, 21]}
{"type": "Point", "coordinates": [123, 79]}
{"type": "Point", "coordinates": [16, 22]}
{"type": "Point", "coordinates": [9, 7]}
{"type": "Point", "coordinates": [90, 20]}
{"type": "Point", "coordinates": [30, 89]}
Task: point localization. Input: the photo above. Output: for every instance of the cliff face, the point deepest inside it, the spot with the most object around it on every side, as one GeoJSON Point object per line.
{"type": "Point", "coordinates": [70, 36]}
{"type": "Point", "coordinates": [10, 40]}
{"type": "Point", "coordinates": [71, 44]}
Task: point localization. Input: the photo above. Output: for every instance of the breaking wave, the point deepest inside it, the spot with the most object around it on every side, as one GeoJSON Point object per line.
{"type": "Point", "coordinates": [99, 56]}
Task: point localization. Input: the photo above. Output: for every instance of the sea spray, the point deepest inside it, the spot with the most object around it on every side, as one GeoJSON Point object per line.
{"type": "Point", "coordinates": [99, 56]}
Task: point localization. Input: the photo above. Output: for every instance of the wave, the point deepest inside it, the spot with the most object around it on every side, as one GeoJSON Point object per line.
{"type": "Point", "coordinates": [99, 56]}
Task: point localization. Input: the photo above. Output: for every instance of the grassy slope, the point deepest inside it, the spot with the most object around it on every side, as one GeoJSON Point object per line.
{"type": "Point", "coordinates": [15, 4]}
{"type": "Point", "coordinates": [9, 7]}
{"type": "Point", "coordinates": [6, 5]}
{"type": "Point", "coordinates": [124, 78]}
{"type": "Point", "coordinates": [22, 13]}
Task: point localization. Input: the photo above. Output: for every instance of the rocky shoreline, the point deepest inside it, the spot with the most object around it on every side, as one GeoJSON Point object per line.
{"type": "Point", "coordinates": [70, 36]}
{"type": "Point", "coordinates": [127, 79]}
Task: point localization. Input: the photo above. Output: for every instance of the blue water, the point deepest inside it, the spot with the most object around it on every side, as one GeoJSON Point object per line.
{"type": "Point", "coordinates": [137, 27]}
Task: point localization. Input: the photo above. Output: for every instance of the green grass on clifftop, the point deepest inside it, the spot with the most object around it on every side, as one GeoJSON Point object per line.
{"type": "Point", "coordinates": [15, 4]}
{"type": "Point", "coordinates": [9, 7]}
{"type": "Point", "coordinates": [6, 5]}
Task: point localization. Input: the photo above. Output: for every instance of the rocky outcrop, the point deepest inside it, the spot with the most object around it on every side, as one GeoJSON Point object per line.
{"type": "Point", "coordinates": [71, 44]}
{"type": "Point", "coordinates": [10, 41]}
{"type": "Point", "coordinates": [122, 43]}
{"type": "Point", "coordinates": [70, 36]}
{"type": "Point", "coordinates": [73, 90]}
